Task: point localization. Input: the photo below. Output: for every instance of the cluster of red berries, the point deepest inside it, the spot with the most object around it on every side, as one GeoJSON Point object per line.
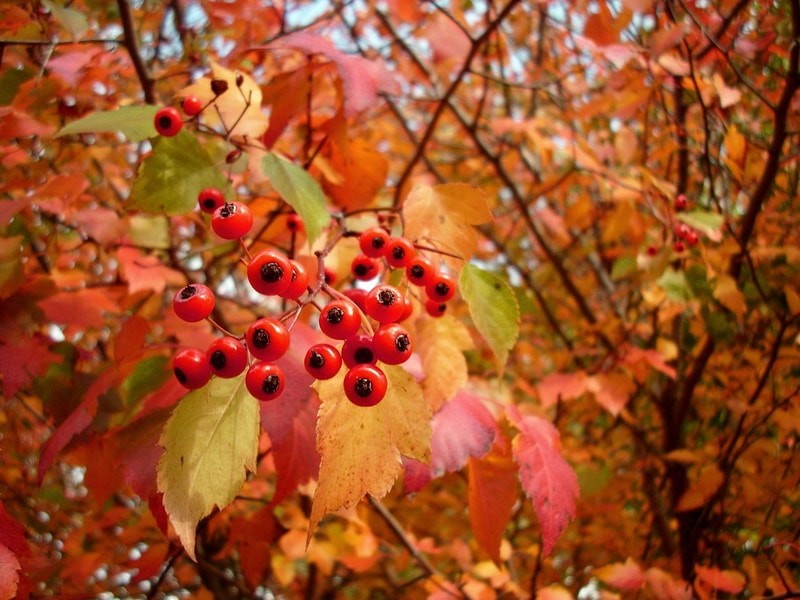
{"type": "Point", "coordinates": [168, 120]}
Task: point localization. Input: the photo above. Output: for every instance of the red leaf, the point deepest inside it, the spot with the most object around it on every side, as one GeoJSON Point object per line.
{"type": "Point", "coordinates": [146, 272]}
{"type": "Point", "coordinates": [563, 386]}
{"type": "Point", "coordinates": [461, 429]}
{"type": "Point", "coordinates": [138, 451]}
{"type": "Point", "coordinates": [12, 534]}
{"type": "Point", "coordinates": [416, 475]}
{"type": "Point", "coordinates": [83, 308]}
{"type": "Point", "coordinates": [492, 494]}
{"type": "Point", "coordinates": [22, 362]}
{"type": "Point", "coordinates": [253, 537]}
{"type": "Point", "coordinates": [17, 124]}
{"type": "Point", "coordinates": [9, 208]}
{"type": "Point", "coordinates": [9, 573]}
{"type": "Point", "coordinates": [286, 94]}
{"type": "Point", "coordinates": [548, 480]}
{"type": "Point", "coordinates": [732, 582]}
{"type": "Point", "coordinates": [14, 551]}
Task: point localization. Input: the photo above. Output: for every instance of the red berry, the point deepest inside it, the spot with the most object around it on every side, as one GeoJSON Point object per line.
{"type": "Point", "coordinates": [329, 275]}
{"type": "Point", "coordinates": [421, 271]}
{"type": "Point", "coordinates": [365, 385]}
{"type": "Point", "coordinates": [270, 273]}
{"type": "Point", "coordinates": [684, 231]}
{"type": "Point", "coordinates": [190, 368]}
{"type": "Point", "coordinates": [193, 303]}
{"type": "Point", "coordinates": [365, 268]}
{"type": "Point", "coordinates": [210, 199]}
{"type": "Point", "coordinates": [400, 252]}
{"type": "Point", "coordinates": [392, 344]}
{"type": "Point", "coordinates": [681, 202]}
{"type": "Point", "coordinates": [323, 361]}
{"type": "Point", "coordinates": [267, 339]}
{"type": "Point", "coordinates": [652, 250]}
{"type": "Point", "coordinates": [442, 288]}
{"type": "Point", "coordinates": [191, 105]}
{"type": "Point", "coordinates": [679, 247]}
{"type": "Point", "coordinates": [358, 297]}
{"type": "Point", "coordinates": [408, 309]}
{"type": "Point", "coordinates": [357, 350]}
{"type": "Point", "coordinates": [294, 223]}
{"type": "Point", "coordinates": [384, 303]}
{"type": "Point", "coordinates": [226, 356]}
{"type": "Point", "coordinates": [339, 319]}
{"type": "Point", "coordinates": [232, 220]}
{"type": "Point", "coordinates": [373, 242]}
{"type": "Point", "coordinates": [265, 381]}
{"type": "Point", "coordinates": [692, 239]}
{"type": "Point", "coordinates": [168, 121]}
{"type": "Point", "coordinates": [299, 281]}
{"type": "Point", "coordinates": [435, 308]}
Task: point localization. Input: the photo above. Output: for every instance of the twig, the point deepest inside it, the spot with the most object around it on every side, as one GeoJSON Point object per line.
{"type": "Point", "coordinates": [132, 45]}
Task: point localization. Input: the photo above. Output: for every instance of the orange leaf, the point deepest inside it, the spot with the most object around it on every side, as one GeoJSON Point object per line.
{"type": "Point", "coordinates": [624, 576]}
{"type": "Point", "coordinates": [611, 390]}
{"type": "Point", "coordinates": [362, 173]}
{"type": "Point", "coordinates": [561, 386]}
{"type": "Point", "coordinates": [725, 581]}
{"type": "Point", "coordinates": [708, 481]}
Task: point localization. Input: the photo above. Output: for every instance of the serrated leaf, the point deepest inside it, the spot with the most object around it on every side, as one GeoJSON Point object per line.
{"type": "Point", "coordinates": [170, 179]}
{"type": "Point", "coordinates": [134, 122]}
{"type": "Point", "coordinates": [210, 442]}
{"type": "Point", "coordinates": [494, 310]}
{"type": "Point", "coordinates": [361, 448]}
{"type": "Point", "coordinates": [441, 342]}
{"type": "Point", "coordinates": [707, 223]}
{"type": "Point", "coordinates": [301, 191]}
{"type": "Point", "coordinates": [462, 429]}
{"type": "Point", "coordinates": [675, 285]}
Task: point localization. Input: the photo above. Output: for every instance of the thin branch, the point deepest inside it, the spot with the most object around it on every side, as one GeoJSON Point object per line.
{"type": "Point", "coordinates": [132, 45]}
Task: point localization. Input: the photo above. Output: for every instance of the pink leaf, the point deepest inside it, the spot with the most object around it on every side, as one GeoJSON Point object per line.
{"type": "Point", "coordinates": [564, 386]}
{"type": "Point", "coordinates": [548, 480]}
{"type": "Point", "coordinates": [462, 428]}
{"type": "Point", "coordinates": [416, 475]}
{"type": "Point", "coordinates": [9, 573]}
{"type": "Point", "coordinates": [624, 576]}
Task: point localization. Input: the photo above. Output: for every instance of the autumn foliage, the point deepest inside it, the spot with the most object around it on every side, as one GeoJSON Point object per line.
{"type": "Point", "coordinates": [608, 407]}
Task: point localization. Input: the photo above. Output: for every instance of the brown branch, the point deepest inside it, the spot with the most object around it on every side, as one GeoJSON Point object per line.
{"type": "Point", "coordinates": [132, 45]}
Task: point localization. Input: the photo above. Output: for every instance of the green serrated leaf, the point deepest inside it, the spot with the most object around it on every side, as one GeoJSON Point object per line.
{"type": "Point", "coordinates": [675, 285]}
{"type": "Point", "coordinates": [494, 309]}
{"type": "Point", "coordinates": [172, 176]}
{"type": "Point", "coordinates": [210, 442]}
{"type": "Point", "coordinates": [301, 191]}
{"type": "Point", "coordinates": [708, 223]}
{"type": "Point", "coordinates": [134, 122]}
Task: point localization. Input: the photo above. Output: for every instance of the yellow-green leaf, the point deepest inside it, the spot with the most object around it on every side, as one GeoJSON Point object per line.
{"type": "Point", "coordinates": [707, 223]}
{"type": "Point", "coordinates": [210, 442]}
{"type": "Point", "coordinates": [135, 122]}
{"type": "Point", "coordinates": [361, 447]}
{"type": "Point", "coordinates": [494, 309]}
{"type": "Point", "coordinates": [440, 343]}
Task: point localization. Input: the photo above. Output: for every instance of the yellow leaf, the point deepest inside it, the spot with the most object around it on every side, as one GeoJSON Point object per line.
{"type": "Point", "coordinates": [683, 456]}
{"type": "Point", "coordinates": [626, 145]}
{"type": "Point", "coordinates": [361, 447]}
{"type": "Point", "coordinates": [443, 216]}
{"type": "Point", "coordinates": [792, 299]}
{"type": "Point", "coordinates": [210, 442]}
{"type": "Point", "coordinates": [729, 295]}
{"type": "Point", "coordinates": [611, 390]}
{"type": "Point", "coordinates": [440, 342]}
{"type": "Point", "coordinates": [702, 489]}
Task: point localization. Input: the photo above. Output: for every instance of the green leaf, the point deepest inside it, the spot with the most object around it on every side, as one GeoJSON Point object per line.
{"type": "Point", "coordinates": [10, 80]}
{"type": "Point", "coordinates": [134, 122]}
{"type": "Point", "coordinates": [494, 309]}
{"type": "Point", "coordinates": [708, 223]}
{"type": "Point", "coordinates": [622, 267]}
{"type": "Point", "coordinates": [675, 285]}
{"type": "Point", "coordinates": [150, 231]}
{"type": "Point", "coordinates": [301, 191]}
{"type": "Point", "coordinates": [172, 176]}
{"type": "Point", "coordinates": [72, 20]}
{"type": "Point", "coordinates": [210, 442]}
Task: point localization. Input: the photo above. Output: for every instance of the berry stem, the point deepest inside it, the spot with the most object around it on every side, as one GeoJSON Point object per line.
{"type": "Point", "coordinates": [216, 324]}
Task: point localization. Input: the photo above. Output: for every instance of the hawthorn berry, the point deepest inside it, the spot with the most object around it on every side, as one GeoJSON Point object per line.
{"type": "Point", "coordinates": [652, 250]}
{"type": "Point", "coordinates": [232, 220]}
{"type": "Point", "coordinates": [392, 344]}
{"type": "Point", "coordinates": [193, 303]}
{"type": "Point", "coordinates": [384, 303]}
{"type": "Point", "coordinates": [226, 356]}
{"type": "Point", "coordinates": [358, 296]}
{"type": "Point", "coordinates": [692, 238]}
{"type": "Point", "coordinates": [168, 121]}
{"type": "Point", "coordinates": [190, 368]}
{"type": "Point", "coordinates": [267, 339]}
{"type": "Point", "coordinates": [400, 252]}
{"type": "Point", "coordinates": [681, 202]}
{"type": "Point", "coordinates": [365, 385]}
{"type": "Point", "coordinates": [270, 273]}
{"type": "Point", "coordinates": [365, 268]}
{"type": "Point", "coordinates": [191, 105]}
{"type": "Point", "coordinates": [294, 223]}
{"type": "Point", "coordinates": [435, 308]}
{"type": "Point", "coordinates": [408, 309]}
{"type": "Point", "coordinates": [421, 271]}
{"type": "Point", "coordinates": [322, 361]}
{"type": "Point", "coordinates": [210, 199]}
{"type": "Point", "coordinates": [339, 319]}
{"type": "Point", "coordinates": [442, 288]}
{"type": "Point", "coordinates": [299, 281]}
{"type": "Point", "coordinates": [329, 275]}
{"type": "Point", "coordinates": [683, 231]}
{"type": "Point", "coordinates": [357, 350]}
{"type": "Point", "coordinates": [679, 247]}
{"type": "Point", "coordinates": [373, 242]}
{"type": "Point", "coordinates": [265, 381]}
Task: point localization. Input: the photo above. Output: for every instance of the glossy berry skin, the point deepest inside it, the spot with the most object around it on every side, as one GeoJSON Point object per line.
{"type": "Point", "coordinates": [652, 250]}
{"type": "Point", "coordinates": [294, 223]}
{"type": "Point", "coordinates": [226, 356]}
{"type": "Point", "coordinates": [421, 271]}
{"type": "Point", "coordinates": [365, 268]}
{"type": "Point", "coordinates": [434, 308]}
{"type": "Point", "coordinates": [358, 350]}
{"type": "Point", "coordinates": [267, 339]}
{"type": "Point", "coordinates": [232, 221]}
{"type": "Point", "coordinates": [681, 202]}
{"type": "Point", "coordinates": [210, 199]}
{"type": "Point", "coordinates": [339, 319]}
{"type": "Point", "coordinates": [408, 309]}
{"type": "Point", "coordinates": [365, 385]}
{"type": "Point", "coordinates": [299, 281]}
{"type": "Point", "coordinates": [191, 368]}
{"type": "Point", "coordinates": [322, 361]}
{"type": "Point", "coordinates": [270, 273]}
{"type": "Point", "coordinates": [392, 344]}
{"type": "Point", "coordinates": [373, 242]}
{"type": "Point", "coordinates": [193, 303]}
{"type": "Point", "coordinates": [191, 106]}
{"type": "Point", "coordinates": [442, 288]}
{"type": "Point", "coordinates": [358, 296]}
{"type": "Point", "coordinates": [384, 303]}
{"type": "Point", "coordinates": [692, 238]}
{"type": "Point", "coordinates": [168, 121]}
{"type": "Point", "coordinates": [683, 231]}
{"type": "Point", "coordinates": [329, 275]}
{"type": "Point", "coordinates": [265, 381]}
{"type": "Point", "coordinates": [679, 247]}
{"type": "Point", "coordinates": [400, 252]}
